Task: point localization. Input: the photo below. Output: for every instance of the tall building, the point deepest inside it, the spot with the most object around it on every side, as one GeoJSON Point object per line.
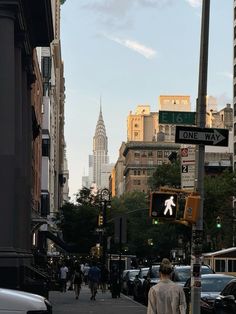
{"type": "Point", "coordinates": [24, 26]}
{"type": "Point", "coordinates": [101, 167]}
{"type": "Point", "coordinates": [166, 132]}
{"type": "Point", "coordinates": [141, 161]}
{"type": "Point", "coordinates": [142, 125]}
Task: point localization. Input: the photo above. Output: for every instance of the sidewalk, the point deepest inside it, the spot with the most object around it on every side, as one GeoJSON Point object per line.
{"type": "Point", "coordinates": [65, 303]}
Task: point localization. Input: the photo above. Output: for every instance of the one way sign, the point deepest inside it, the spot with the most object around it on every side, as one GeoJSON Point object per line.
{"type": "Point", "coordinates": [205, 136]}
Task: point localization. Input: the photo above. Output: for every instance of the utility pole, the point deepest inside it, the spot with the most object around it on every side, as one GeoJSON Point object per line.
{"type": "Point", "coordinates": [197, 229]}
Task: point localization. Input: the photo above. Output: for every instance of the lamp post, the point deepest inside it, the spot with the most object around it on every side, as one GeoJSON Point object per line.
{"type": "Point", "coordinates": [105, 202]}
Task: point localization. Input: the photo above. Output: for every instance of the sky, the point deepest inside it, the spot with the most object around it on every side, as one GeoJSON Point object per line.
{"type": "Point", "coordinates": [129, 52]}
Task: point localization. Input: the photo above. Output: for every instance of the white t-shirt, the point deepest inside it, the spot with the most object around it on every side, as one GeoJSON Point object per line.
{"type": "Point", "coordinates": [63, 272]}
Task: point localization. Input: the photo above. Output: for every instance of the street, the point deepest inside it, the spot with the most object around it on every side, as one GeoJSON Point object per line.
{"type": "Point", "coordinates": [64, 303]}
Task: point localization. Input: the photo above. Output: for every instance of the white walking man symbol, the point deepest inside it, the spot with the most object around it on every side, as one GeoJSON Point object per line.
{"type": "Point", "coordinates": [168, 206]}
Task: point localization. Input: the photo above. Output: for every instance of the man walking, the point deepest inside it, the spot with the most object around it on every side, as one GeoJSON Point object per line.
{"type": "Point", "coordinates": [63, 277]}
{"type": "Point", "coordinates": [94, 276]}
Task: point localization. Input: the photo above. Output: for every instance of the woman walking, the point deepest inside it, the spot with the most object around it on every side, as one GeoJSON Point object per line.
{"type": "Point", "coordinates": [166, 297]}
{"type": "Point", "coordinates": [77, 280]}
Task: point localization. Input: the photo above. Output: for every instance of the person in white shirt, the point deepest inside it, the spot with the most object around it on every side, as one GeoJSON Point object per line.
{"type": "Point", "coordinates": [166, 297]}
{"type": "Point", "coordinates": [63, 277]}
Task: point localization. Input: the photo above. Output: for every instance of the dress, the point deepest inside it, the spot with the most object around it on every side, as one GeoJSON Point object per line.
{"type": "Point", "coordinates": [166, 297]}
{"type": "Point", "coordinates": [77, 281]}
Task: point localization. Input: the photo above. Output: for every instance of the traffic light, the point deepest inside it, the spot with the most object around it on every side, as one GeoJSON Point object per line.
{"type": "Point", "coordinates": [163, 205]}
{"type": "Point", "coordinates": [154, 221]}
{"type": "Point", "coordinates": [218, 222]}
{"type": "Point", "coordinates": [100, 220]}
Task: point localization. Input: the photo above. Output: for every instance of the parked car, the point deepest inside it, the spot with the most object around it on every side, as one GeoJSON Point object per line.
{"type": "Point", "coordinates": [180, 275]}
{"type": "Point", "coordinates": [138, 294]}
{"type": "Point", "coordinates": [127, 284]}
{"type": "Point", "coordinates": [183, 272]}
{"type": "Point", "coordinates": [150, 280]}
{"type": "Point", "coordinates": [212, 285]}
{"type": "Point", "coordinates": [225, 303]}
{"type": "Point", "coordinates": [15, 301]}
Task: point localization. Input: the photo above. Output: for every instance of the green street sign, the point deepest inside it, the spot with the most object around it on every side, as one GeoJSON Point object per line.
{"type": "Point", "coordinates": [177, 117]}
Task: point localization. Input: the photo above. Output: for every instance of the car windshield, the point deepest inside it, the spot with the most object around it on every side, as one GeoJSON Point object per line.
{"type": "Point", "coordinates": [206, 270]}
{"type": "Point", "coordinates": [182, 274]}
{"type": "Point", "coordinates": [154, 272]}
{"type": "Point", "coordinates": [132, 274]}
{"type": "Point", "coordinates": [214, 284]}
{"type": "Point", "coordinates": [143, 273]}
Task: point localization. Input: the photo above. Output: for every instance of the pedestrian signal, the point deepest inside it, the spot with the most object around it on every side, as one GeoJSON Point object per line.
{"type": "Point", "coordinates": [100, 220]}
{"type": "Point", "coordinates": [191, 210]}
{"type": "Point", "coordinates": [163, 205]}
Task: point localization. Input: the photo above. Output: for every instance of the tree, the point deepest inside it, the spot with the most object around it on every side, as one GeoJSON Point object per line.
{"type": "Point", "coordinates": [79, 221]}
{"type": "Point", "coordinates": [166, 175]}
{"type": "Point", "coordinates": [218, 202]}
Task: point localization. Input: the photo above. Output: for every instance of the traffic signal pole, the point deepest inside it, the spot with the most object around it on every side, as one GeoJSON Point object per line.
{"type": "Point", "coordinates": [197, 229]}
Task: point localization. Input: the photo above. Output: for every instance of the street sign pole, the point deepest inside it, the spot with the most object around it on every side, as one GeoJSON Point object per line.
{"type": "Point", "coordinates": [197, 230]}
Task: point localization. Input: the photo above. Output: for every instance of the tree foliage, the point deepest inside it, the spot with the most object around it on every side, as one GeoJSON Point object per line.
{"type": "Point", "coordinates": [166, 175]}
{"type": "Point", "coordinates": [79, 221]}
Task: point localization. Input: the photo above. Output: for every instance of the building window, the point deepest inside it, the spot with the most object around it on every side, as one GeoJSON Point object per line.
{"type": "Point", "coordinates": [46, 147]}
{"type": "Point", "coordinates": [136, 154]}
{"type": "Point", "coordinates": [135, 172]}
{"type": "Point", "coordinates": [231, 266]}
{"type": "Point", "coordinates": [166, 153]}
{"type": "Point", "coordinates": [138, 172]}
{"type": "Point", "coordinates": [234, 90]}
{"type": "Point", "coordinates": [45, 89]}
{"type": "Point", "coordinates": [220, 265]}
{"type": "Point", "coordinates": [136, 125]}
{"type": "Point", "coordinates": [159, 162]}
{"type": "Point", "coordinates": [150, 154]}
{"type": "Point", "coordinates": [46, 67]}
{"type": "Point", "coordinates": [144, 154]}
{"type": "Point", "coordinates": [150, 162]}
{"type": "Point", "coordinates": [159, 154]}
{"type": "Point", "coordinates": [137, 182]}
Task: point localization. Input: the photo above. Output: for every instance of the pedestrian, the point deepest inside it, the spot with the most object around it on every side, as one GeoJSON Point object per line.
{"type": "Point", "coordinates": [166, 297]}
{"type": "Point", "coordinates": [85, 273]}
{"type": "Point", "coordinates": [94, 276]}
{"type": "Point", "coordinates": [104, 278]}
{"type": "Point", "coordinates": [63, 277]}
{"type": "Point", "coordinates": [77, 280]}
{"type": "Point", "coordinates": [114, 282]}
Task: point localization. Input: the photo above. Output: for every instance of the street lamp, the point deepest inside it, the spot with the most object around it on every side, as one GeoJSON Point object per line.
{"type": "Point", "coordinates": [105, 202]}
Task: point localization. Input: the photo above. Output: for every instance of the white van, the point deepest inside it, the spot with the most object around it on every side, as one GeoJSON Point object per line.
{"type": "Point", "coordinates": [19, 302]}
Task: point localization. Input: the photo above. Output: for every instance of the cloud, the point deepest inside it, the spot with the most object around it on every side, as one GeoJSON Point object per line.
{"type": "Point", "coordinates": [223, 99]}
{"type": "Point", "coordinates": [194, 3]}
{"type": "Point", "coordinates": [116, 12]}
{"type": "Point", "coordinates": [147, 52]}
{"type": "Point", "coordinates": [229, 75]}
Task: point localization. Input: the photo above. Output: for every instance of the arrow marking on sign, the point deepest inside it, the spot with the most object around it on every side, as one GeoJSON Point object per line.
{"type": "Point", "coordinates": [215, 137]}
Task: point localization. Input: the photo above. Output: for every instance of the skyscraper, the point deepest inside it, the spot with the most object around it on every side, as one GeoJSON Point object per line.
{"type": "Point", "coordinates": [100, 158]}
